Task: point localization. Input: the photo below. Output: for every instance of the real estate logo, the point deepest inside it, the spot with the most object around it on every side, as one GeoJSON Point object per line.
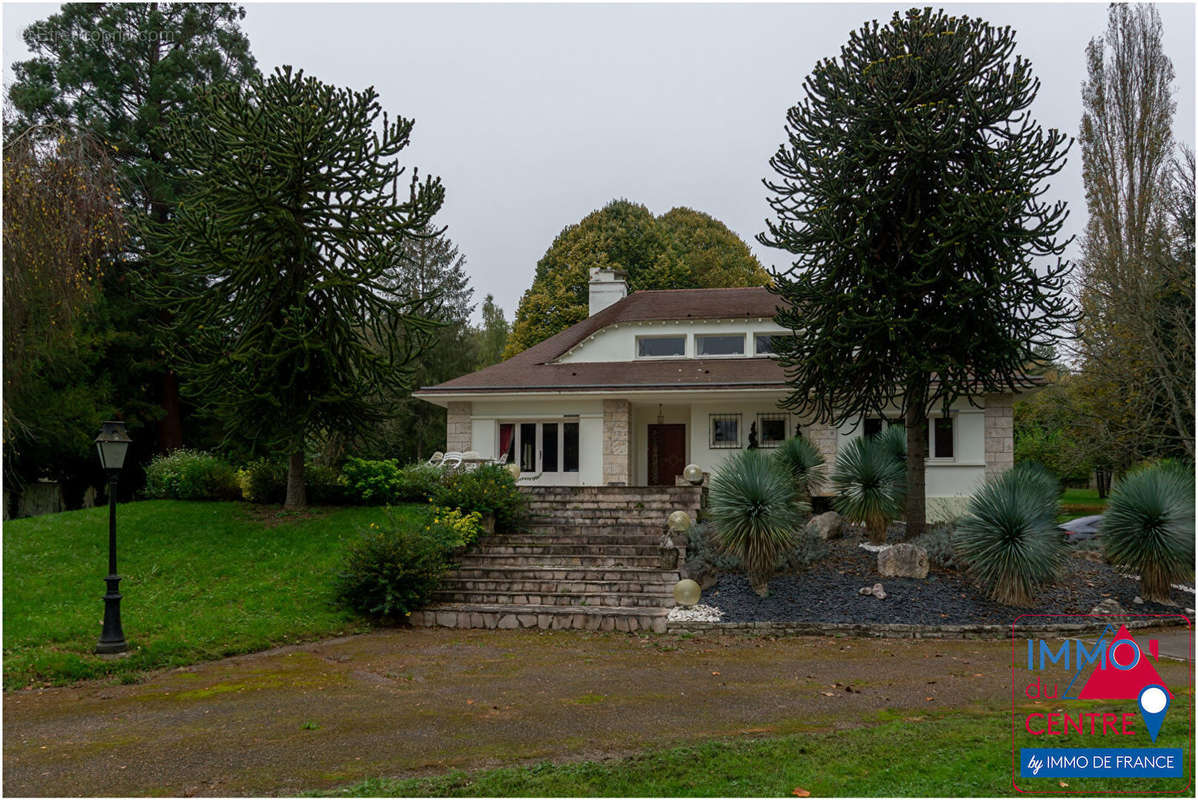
{"type": "Point", "coordinates": [1067, 676]}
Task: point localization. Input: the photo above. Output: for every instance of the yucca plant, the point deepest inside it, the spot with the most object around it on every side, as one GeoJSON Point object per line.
{"type": "Point", "coordinates": [1149, 527]}
{"type": "Point", "coordinates": [870, 485]}
{"type": "Point", "coordinates": [1008, 537]}
{"type": "Point", "coordinates": [803, 461]}
{"type": "Point", "coordinates": [756, 512]}
{"type": "Point", "coordinates": [894, 440]}
{"type": "Point", "coordinates": [1035, 474]}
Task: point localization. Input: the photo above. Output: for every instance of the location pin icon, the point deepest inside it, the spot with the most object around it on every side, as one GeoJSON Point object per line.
{"type": "Point", "coordinates": [1154, 702]}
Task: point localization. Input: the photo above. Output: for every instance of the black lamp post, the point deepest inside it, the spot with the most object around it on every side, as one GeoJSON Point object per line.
{"type": "Point", "coordinates": [112, 443]}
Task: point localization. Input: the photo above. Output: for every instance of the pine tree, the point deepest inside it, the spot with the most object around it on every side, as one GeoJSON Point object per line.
{"type": "Point", "coordinates": [492, 336]}
{"type": "Point", "coordinates": [909, 193]}
{"type": "Point", "coordinates": [285, 240]}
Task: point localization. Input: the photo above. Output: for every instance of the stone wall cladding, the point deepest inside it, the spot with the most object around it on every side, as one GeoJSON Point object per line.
{"type": "Point", "coordinates": [1000, 433]}
{"type": "Point", "coordinates": [907, 631]}
{"type": "Point", "coordinates": [824, 438]}
{"type": "Point", "coordinates": [458, 434]}
{"type": "Point", "coordinates": [617, 449]}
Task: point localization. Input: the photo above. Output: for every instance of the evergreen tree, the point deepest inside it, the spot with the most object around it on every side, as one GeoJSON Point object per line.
{"type": "Point", "coordinates": [288, 230]}
{"type": "Point", "coordinates": [682, 249]}
{"type": "Point", "coordinates": [121, 71]}
{"type": "Point", "coordinates": [908, 191]}
{"type": "Point", "coordinates": [492, 336]}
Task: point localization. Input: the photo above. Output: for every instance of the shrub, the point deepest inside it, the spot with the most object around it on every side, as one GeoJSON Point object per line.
{"type": "Point", "coordinates": [870, 485]}
{"type": "Point", "coordinates": [393, 569]}
{"type": "Point", "coordinates": [418, 482]}
{"type": "Point", "coordinates": [1036, 473]}
{"type": "Point", "coordinates": [756, 512]}
{"type": "Point", "coordinates": [264, 481]}
{"type": "Point", "coordinates": [937, 540]}
{"type": "Point", "coordinates": [325, 486]}
{"type": "Point", "coordinates": [372, 482]}
{"type": "Point", "coordinates": [489, 490]}
{"type": "Point", "coordinates": [1149, 527]}
{"type": "Point", "coordinates": [704, 555]}
{"type": "Point", "coordinates": [803, 461]}
{"type": "Point", "coordinates": [1008, 537]}
{"type": "Point", "coordinates": [191, 475]}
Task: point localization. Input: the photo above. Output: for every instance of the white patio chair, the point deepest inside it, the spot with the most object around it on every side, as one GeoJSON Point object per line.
{"type": "Point", "coordinates": [452, 460]}
{"type": "Point", "coordinates": [436, 458]}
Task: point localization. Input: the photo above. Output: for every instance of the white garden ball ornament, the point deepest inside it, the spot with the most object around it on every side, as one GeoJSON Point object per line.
{"type": "Point", "coordinates": [693, 474]}
{"type": "Point", "coordinates": [680, 521]}
{"type": "Point", "coordinates": [686, 592]}
{"type": "Point", "coordinates": [514, 468]}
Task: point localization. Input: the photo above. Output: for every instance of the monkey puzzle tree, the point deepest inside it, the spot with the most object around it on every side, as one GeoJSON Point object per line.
{"type": "Point", "coordinates": [909, 193]}
{"type": "Point", "coordinates": [289, 226]}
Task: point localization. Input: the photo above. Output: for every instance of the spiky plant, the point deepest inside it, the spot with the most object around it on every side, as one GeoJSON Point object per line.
{"type": "Point", "coordinates": [894, 440]}
{"type": "Point", "coordinates": [870, 485]}
{"type": "Point", "coordinates": [757, 513]}
{"type": "Point", "coordinates": [1037, 474]}
{"type": "Point", "coordinates": [1149, 527]}
{"type": "Point", "coordinates": [803, 461]}
{"type": "Point", "coordinates": [1008, 537]}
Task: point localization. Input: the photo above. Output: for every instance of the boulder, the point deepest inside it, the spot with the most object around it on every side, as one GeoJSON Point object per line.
{"type": "Point", "coordinates": [873, 591]}
{"type": "Point", "coordinates": [1109, 606]}
{"type": "Point", "coordinates": [828, 525]}
{"type": "Point", "coordinates": [904, 560]}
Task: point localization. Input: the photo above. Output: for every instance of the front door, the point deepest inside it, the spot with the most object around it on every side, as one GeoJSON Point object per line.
{"type": "Point", "coordinates": [667, 453]}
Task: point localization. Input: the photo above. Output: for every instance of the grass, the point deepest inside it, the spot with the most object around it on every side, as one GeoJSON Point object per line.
{"type": "Point", "coordinates": [200, 581]}
{"type": "Point", "coordinates": [958, 753]}
{"type": "Point", "coordinates": [1081, 503]}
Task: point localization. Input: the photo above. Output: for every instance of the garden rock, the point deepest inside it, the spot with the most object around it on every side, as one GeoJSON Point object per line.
{"type": "Point", "coordinates": [903, 560]}
{"type": "Point", "coordinates": [828, 525]}
{"type": "Point", "coordinates": [1108, 606]}
{"type": "Point", "coordinates": [873, 591]}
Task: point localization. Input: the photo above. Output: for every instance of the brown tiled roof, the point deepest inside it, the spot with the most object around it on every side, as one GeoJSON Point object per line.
{"type": "Point", "coordinates": [532, 369]}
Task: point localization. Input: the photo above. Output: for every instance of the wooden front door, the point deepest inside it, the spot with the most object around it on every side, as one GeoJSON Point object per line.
{"type": "Point", "coordinates": [667, 453]}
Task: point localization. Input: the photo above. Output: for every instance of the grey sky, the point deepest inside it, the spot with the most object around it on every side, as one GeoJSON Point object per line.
{"type": "Point", "coordinates": [535, 115]}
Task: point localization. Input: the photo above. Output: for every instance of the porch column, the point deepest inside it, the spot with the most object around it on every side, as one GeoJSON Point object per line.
{"type": "Point", "coordinates": [1000, 433]}
{"type": "Point", "coordinates": [617, 454]}
{"type": "Point", "coordinates": [457, 427]}
{"type": "Point", "coordinates": [824, 439]}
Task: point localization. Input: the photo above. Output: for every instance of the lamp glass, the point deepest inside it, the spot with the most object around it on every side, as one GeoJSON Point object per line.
{"type": "Point", "coordinates": [687, 592]}
{"type": "Point", "coordinates": [112, 444]}
{"type": "Point", "coordinates": [680, 521]}
{"type": "Point", "coordinates": [693, 474]}
{"type": "Point", "coordinates": [514, 468]}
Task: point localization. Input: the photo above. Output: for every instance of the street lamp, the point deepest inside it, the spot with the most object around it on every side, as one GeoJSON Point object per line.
{"type": "Point", "coordinates": [112, 444]}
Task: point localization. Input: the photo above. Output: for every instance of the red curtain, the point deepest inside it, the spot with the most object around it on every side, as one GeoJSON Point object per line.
{"type": "Point", "coordinates": [506, 432]}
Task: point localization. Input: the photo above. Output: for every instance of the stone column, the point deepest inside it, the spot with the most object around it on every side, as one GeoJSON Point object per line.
{"type": "Point", "coordinates": [824, 439]}
{"type": "Point", "coordinates": [1000, 433]}
{"type": "Point", "coordinates": [458, 432]}
{"type": "Point", "coordinates": [617, 447]}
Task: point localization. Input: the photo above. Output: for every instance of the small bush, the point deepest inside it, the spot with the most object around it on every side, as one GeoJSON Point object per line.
{"type": "Point", "coordinates": [756, 512]}
{"type": "Point", "coordinates": [937, 540]}
{"type": "Point", "coordinates": [1008, 538]}
{"type": "Point", "coordinates": [1149, 527]}
{"type": "Point", "coordinates": [325, 487]}
{"type": "Point", "coordinates": [804, 463]}
{"type": "Point", "coordinates": [372, 482]}
{"type": "Point", "coordinates": [871, 485]}
{"type": "Point", "coordinates": [191, 475]}
{"type": "Point", "coordinates": [418, 482]}
{"type": "Point", "coordinates": [489, 490]}
{"type": "Point", "coordinates": [264, 481]}
{"type": "Point", "coordinates": [393, 569]}
{"type": "Point", "coordinates": [704, 556]}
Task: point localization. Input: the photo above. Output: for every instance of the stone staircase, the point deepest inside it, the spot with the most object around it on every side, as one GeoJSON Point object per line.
{"type": "Point", "coordinates": [592, 557]}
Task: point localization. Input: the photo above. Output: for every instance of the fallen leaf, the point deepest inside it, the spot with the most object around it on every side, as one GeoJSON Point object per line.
{"type": "Point", "coordinates": [1062, 783]}
{"type": "Point", "coordinates": [929, 699]}
{"type": "Point", "coordinates": [715, 673]}
{"type": "Point", "coordinates": [800, 792]}
{"type": "Point", "coordinates": [978, 675]}
{"type": "Point", "coordinates": [833, 694]}
{"type": "Point", "coordinates": [469, 702]}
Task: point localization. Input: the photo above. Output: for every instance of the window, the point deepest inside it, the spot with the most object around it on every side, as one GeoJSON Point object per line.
{"type": "Point", "coordinates": [942, 437]}
{"type": "Point", "coordinates": [660, 346]}
{"type": "Point", "coordinates": [549, 447]}
{"type": "Point", "coordinates": [873, 426]}
{"type": "Point", "coordinates": [764, 343]}
{"type": "Point", "coordinates": [725, 431]}
{"type": "Point", "coordinates": [772, 428]}
{"type": "Point", "coordinates": [528, 447]}
{"type": "Point", "coordinates": [721, 345]}
{"type": "Point", "coordinates": [570, 447]}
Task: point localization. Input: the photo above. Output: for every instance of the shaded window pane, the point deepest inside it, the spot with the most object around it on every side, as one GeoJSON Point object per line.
{"type": "Point", "coordinates": [873, 426]}
{"type": "Point", "coordinates": [570, 447]}
{"type": "Point", "coordinates": [720, 345]}
{"type": "Point", "coordinates": [773, 430]}
{"type": "Point", "coordinates": [944, 437]}
{"type": "Point", "coordinates": [528, 447]}
{"type": "Point", "coordinates": [549, 447]}
{"type": "Point", "coordinates": [725, 430]}
{"type": "Point", "coordinates": [765, 344]}
{"type": "Point", "coordinates": [661, 346]}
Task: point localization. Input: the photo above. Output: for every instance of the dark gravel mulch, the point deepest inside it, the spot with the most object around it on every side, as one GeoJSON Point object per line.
{"type": "Point", "coordinates": [828, 592]}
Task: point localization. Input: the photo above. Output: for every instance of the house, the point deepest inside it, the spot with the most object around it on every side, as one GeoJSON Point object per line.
{"type": "Point", "coordinates": [655, 380]}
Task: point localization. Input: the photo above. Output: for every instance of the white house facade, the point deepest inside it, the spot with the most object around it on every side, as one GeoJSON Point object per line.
{"type": "Point", "coordinates": [656, 380]}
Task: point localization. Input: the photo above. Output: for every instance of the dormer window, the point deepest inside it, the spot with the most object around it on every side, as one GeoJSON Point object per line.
{"type": "Point", "coordinates": [720, 345]}
{"type": "Point", "coordinates": [661, 346]}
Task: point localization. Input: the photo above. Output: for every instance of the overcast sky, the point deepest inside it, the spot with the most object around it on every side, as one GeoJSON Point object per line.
{"type": "Point", "coordinates": [535, 115]}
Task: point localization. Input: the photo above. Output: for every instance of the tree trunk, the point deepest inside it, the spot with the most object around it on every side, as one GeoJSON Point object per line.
{"type": "Point", "coordinates": [296, 497]}
{"type": "Point", "coordinates": [917, 453]}
{"type": "Point", "coordinates": [170, 427]}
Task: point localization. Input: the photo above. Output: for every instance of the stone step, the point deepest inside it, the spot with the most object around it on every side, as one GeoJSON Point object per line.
{"type": "Point", "coordinates": [596, 518]}
{"type": "Point", "coordinates": [569, 547]}
{"type": "Point", "coordinates": [555, 599]}
{"type": "Point", "coordinates": [486, 559]}
{"type": "Point", "coordinates": [659, 588]}
{"type": "Point", "coordinates": [602, 504]}
{"type": "Point", "coordinates": [588, 530]}
{"type": "Point", "coordinates": [482, 615]}
{"type": "Point", "coordinates": [545, 573]}
{"type": "Point", "coordinates": [548, 537]}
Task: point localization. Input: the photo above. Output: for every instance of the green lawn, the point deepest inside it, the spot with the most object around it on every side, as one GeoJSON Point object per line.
{"type": "Point", "coordinates": [200, 581]}
{"type": "Point", "coordinates": [959, 753]}
{"type": "Point", "coordinates": [1081, 503]}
